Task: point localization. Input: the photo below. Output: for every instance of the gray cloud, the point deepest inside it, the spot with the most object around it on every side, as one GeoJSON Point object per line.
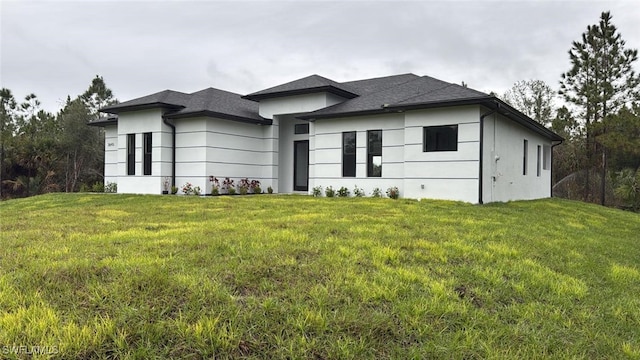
{"type": "Point", "coordinates": [55, 48]}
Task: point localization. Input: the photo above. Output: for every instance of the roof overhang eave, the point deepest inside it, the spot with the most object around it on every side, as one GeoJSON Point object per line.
{"type": "Point", "coordinates": [104, 122]}
{"type": "Point", "coordinates": [115, 109]}
{"type": "Point", "coordinates": [509, 111]}
{"type": "Point", "coordinates": [214, 114]}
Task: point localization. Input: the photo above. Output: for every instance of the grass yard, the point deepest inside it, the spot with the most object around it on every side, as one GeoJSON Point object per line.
{"type": "Point", "coordinates": [139, 277]}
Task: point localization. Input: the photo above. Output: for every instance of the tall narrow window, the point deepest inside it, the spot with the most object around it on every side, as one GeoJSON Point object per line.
{"type": "Point", "coordinates": [374, 153]}
{"type": "Point", "coordinates": [539, 163]}
{"type": "Point", "coordinates": [525, 151]}
{"type": "Point", "coordinates": [349, 154]}
{"type": "Point", "coordinates": [146, 161]}
{"type": "Point", "coordinates": [131, 154]}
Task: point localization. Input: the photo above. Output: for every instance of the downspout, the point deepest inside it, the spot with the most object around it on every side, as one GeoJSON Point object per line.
{"type": "Point", "coordinates": [173, 149]}
{"type": "Point", "coordinates": [551, 180]}
{"type": "Point", "coordinates": [481, 152]}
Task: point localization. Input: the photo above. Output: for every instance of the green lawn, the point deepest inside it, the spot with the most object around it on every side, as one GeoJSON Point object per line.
{"type": "Point", "coordinates": [125, 276]}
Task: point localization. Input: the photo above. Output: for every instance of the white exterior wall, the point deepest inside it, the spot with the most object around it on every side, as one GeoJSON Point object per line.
{"type": "Point", "coordinates": [139, 122]}
{"type": "Point", "coordinates": [451, 175]}
{"type": "Point", "coordinates": [503, 162]}
{"type": "Point", "coordinates": [297, 104]}
{"type": "Point", "coordinates": [325, 165]}
{"type": "Point", "coordinates": [110, 154]}
{"type": "Point", "coordinates": [222, 148]}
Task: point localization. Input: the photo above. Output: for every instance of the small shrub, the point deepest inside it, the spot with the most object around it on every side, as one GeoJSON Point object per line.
{"type": "Point", "coordinates": [343, 192]}
{"type": "Point", "coordinates": [97, 187]}
{"type": "Point", "coordinates": [174, 190]}
{"type": "Point", "coordinates": [376, 193]}
{"type": "Point", "coordinates": [257, 190]}
{"type": "Point", "coordinates": [227, 185]}
{"type": "Point", "coordinates": [215, 185]}
{"type": "Point", "coordinates": [270, 190]}
{"type": "Point", "coordinates": [196, 191]}
{"type": "Point", "coordinates": [393, 192]}
{"type": "Point", "coordinates": [111, 187]}
{"type": "Point", "coordinates": [84, 188]}
{"type": "Point", "coordinates": [243, 186]}
{"type": "Point", "coordinates": [253, 185]}
{"type": "Point", "coordinates": [358, 192]}
{"type": "Point", "coordinates": [329, 192]}
{"type": "Point", "coordinates": [232, 191]}
{"type": "Point", "coordinates": [317, 191]}
{"type": "Point", "coordinates": [187, 188]}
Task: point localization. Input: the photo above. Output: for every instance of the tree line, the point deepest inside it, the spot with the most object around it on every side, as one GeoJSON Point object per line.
{"type": "Point", "coordinates": [41, 152]}
{"type": "Point", "coordinates": [597, 111]}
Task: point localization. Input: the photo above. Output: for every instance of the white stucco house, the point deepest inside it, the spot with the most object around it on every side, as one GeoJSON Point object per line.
{"type": "Point", "coordinates": [429, 138]}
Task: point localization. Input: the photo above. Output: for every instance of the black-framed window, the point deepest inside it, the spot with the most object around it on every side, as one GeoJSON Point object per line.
{"type": "Point", "coordinates": [131, 154]}
{"type": "Point", "coordinates": [146, 160]}
{"type": "Point", "coordinates": [539, 163]}
{"type": "Point", "coordinates": [374, 153]}
{"type": "Point", "coordinates": [301, 128]}
{"type": "Point", "coordinates": [349, 154]}
{"type": "Point", "coordinates": [440, 138]}
{"type": "Point", "coordinates": [525, 155]}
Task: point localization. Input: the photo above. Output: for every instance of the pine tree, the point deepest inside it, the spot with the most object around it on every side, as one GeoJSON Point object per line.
{"type": "Point", "coordinates": [600, 82]}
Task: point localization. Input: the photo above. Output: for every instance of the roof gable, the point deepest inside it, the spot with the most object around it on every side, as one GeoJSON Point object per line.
{"type": "Point", "coordinates": [219, 103]}
{"type": "Point", "coordinates": [164, 99]}
{"type": "Point", "coordinates": [306, 85]}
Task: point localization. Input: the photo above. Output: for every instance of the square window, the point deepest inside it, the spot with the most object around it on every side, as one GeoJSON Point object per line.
{"type": "Point", "coordinates": [440, 138]}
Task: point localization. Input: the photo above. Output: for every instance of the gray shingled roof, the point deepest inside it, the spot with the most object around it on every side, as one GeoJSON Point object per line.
{"type": "Point", "coordinates": [207, 102]}
{"type": "Point", "coordinates": [219, 103]}
{"type": "Point", "coordinates": [368, 86]}
{"type": "Point", "coordinates": [166, 99]}
{"type": "Point", "coordinates": [416, 90]}
{"type": "Point", "coordinates": [306, 85]}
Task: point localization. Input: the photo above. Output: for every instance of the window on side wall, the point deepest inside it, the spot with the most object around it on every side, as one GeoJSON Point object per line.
{"type": "Point", "coordinates": [440, 138]}
{"type": "Point", "coordinates": [349, 154]}
{"type": "Point", "coordinates": [131, 154]}
{"type": "Point", "coordinates": [525, 154]}
{"type": "Point", "coordinates": [539, 161]}
{"type": "Point", "coordinates": [374, 153]}
{"type": "Point", "coordinates": [301, 129]}
{"type": "Point", "coordinates": [147, 153]}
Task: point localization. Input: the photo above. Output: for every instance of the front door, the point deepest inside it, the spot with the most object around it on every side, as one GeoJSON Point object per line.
{"type": "Point", "coordinates": [301, 165]}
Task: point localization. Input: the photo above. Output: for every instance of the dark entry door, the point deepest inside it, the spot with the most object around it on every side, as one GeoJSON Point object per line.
{"type": "Point", "coordinates": [301, 165]}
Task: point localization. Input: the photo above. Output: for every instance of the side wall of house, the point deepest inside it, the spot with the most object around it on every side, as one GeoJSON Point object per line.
{"type": "Point", "coordinates": [138, 123]}
{"type": "Point", "coordinates": [451, 175]}
{"type": "Point", "coordinates": [221, 148]}
{"type": "Point", "coordinates": [110, 154]}
{"type": "Point", "coordinates": [507, 175]}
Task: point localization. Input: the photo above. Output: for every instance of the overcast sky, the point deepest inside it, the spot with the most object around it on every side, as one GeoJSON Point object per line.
{"type": "Point", "coordinates": [55, 48]}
